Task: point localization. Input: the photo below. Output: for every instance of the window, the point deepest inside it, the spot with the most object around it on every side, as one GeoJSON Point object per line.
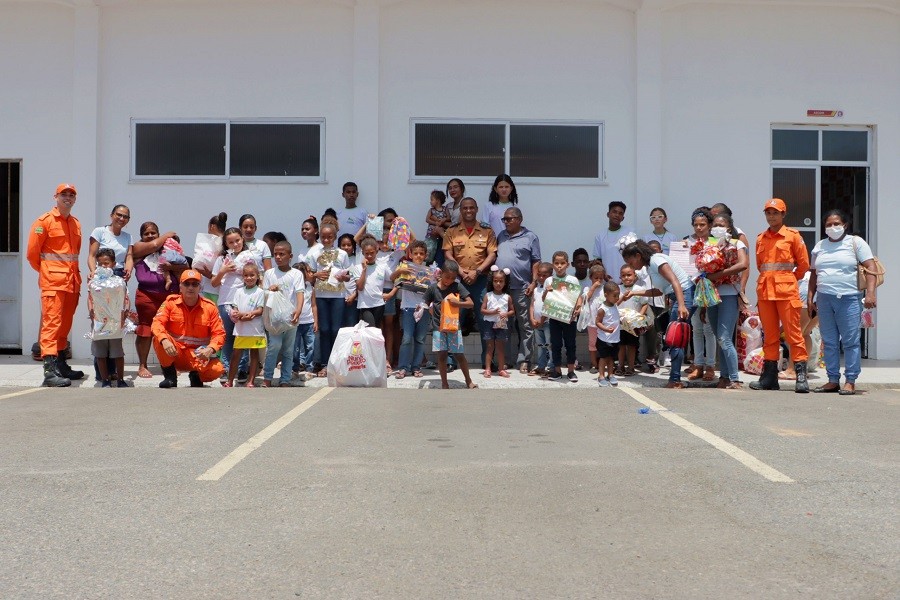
{"type": "Point", "coordinates": [278, 151]}
{"type": "Point", "coordinates": [557, 152]}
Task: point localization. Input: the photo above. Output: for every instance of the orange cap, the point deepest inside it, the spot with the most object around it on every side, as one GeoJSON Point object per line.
{"type": "Point", "coordinates": [776, 203]}
{"type": "Point", "coordinates": [66, 187]}
{"type": "Point", "coordinates": [191, 274]}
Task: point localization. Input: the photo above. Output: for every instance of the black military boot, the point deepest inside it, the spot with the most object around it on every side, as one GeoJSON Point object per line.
{"type": "Point", "coordinates": [768, 380]}
{"type": "Point", "coordinates": [170, 377]}
{"type": "Point", "coordinates": [802, 386]}
{"type": "Point", "coordinates": [195, 379]}
{"type": "Point", "coordinates": [52, 377]}
{"type": "Point", "coordinates": [66, 371]}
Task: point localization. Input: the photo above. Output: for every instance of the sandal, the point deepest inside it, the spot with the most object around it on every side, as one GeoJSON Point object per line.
{"type": "Point", "coordinates": [734, 385]}
{"type": "Point", "coordinates": [675, 385]}
{"type": "Point", "coordinates": [417, 373]}
{"type": "Point", "coordinates": [503, 373]}
{"type": "Point", "coordinates": [472, 385]}
{"type": "Point", "coordinates": [486, 373]}
{"type": "Point", "coordinates": [709, 374]}
{"type": "Point", "coordinates": [322, 373]}
{"type": "Point", "coordinates": [226, 384]}
{"type": "Point", "coordinates": [400, 374]}
{"type": "Point", "coordinates": [523, 368]}
{"type": "Point", "coordinates": [619, 373]}
{"type": "Point", "coordinates": [629, 370]}
{"type": "Point", "coordinates": [534, 371]}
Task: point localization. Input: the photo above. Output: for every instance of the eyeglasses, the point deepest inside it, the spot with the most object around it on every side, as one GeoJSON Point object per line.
{"type": "Point", "coordinates": [190, 283]}
{"type": "Point", "coordinates": [657, 217]}
{"type": "Point", "coordinates": [121, 216]}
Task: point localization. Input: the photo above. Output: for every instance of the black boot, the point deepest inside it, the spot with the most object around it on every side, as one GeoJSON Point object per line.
{"type": "Point", "coordinates": [195, 379]}
{"type": "Point", "coordinates": [52, 378]}
{"type": "Point", "coordinates": [170, 377]}
{"type": "Point", "coordinates": [769, 378]}
{"type": "Point", "coordinates": [802, 386]}
{"type": "Point", "coordinates": [66, 371]}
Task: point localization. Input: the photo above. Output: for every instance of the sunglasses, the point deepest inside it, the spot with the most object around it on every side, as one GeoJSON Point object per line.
{"type": "Point", "coordinates": [190, 283]}
{"type": "Point", "coordinates": [508, 219]}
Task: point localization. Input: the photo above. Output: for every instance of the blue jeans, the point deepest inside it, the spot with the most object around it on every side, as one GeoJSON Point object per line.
{"type": "Point", "coordinates": [304, 347]}
{"type": "Point", "coordinates": [676, 355]}
{"type": "Point", "coordinates": [542, 346]}
{"type": "Point", "coordinates": [331, 317]}
{"type": "Point", "coordinates": [839, 322]}
{"type": "Point", "coordinates": [412, 346]}
{"type": "Point", "coordinates": [723, 318]}
{"type": "Point", "coordinates": [280, 346]}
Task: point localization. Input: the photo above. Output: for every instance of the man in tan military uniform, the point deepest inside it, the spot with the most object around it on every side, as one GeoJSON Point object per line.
{"type": "Point", "coordinates": [474, 246]}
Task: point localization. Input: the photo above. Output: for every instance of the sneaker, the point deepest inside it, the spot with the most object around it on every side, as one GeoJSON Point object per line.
{"type": "Point", "coordinates": [106, 383]}
{"type": "Point", "coordinates": [242, 376]}
{"type": "Point", "coordinates": [571, 376]}
{"type": "Point", "coordinates": [603, 381]}
{"type": "Point", "coordinates": [554, 375]}
{"type": "Point", "coordinates": [122, 384]}
{"type": "Point", "coordinates": [594, 371]}
{"type": "Point", "coordinates": [613, 381]}
{"type": "Point", "coordinates": [294, 383]}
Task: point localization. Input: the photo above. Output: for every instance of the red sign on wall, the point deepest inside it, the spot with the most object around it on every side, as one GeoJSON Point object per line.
{"type": "Point", "coordinates": [824, 113]}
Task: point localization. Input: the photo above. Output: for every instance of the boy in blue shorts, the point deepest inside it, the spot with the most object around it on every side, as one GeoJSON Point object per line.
{"type": "Point", "coordinates": [448, 342]}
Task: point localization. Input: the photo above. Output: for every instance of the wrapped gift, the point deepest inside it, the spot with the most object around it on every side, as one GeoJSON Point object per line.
{"type": "Point", "coordinates": [418, 279]}
{"type": "Point", "coordinates": [562, 296]}
{"type": "Point", "coordinates": [705, 293]}
{"type": "Point", "coordinates": [400, 235]}
{"type": "Point", "coordinates": [108, 294]}
{"type": "Point", "coordinates": [634, 322]}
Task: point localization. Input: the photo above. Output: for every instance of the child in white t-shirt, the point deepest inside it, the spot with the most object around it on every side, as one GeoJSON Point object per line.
{"type": "Point", "coordinates": [496, 308]}
{"type": "Point", "coordinates": [370, 284]}
{"type": "Point", "coordinates": [249, 333]}
{"type": "Point", "coordinates": [608, 334]}
{"type": "Point", "coordinates": [291, 284]}
{"type": "Point", "coordinates": [593, 298]}
{"type": "Point", "coordinates": [628, 343]}
{"type": "Point", "coordinates": [544, 363]}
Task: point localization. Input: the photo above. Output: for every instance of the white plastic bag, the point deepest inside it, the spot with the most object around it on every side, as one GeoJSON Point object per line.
{"type": "Point", "coordinates": [357, 358]}
{"type": "Point", "coordinates": [751, 331]}
{"type": "Point", "coordinates": [277, 313]}
{"type": "Point", "coordinates": [584, 317]}
{"type": "Point", "coordinates": [207, 249]}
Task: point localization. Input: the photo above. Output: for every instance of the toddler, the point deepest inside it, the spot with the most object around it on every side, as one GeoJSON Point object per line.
{"type": "Point", "coordinates": [628, 343]}
{"type": "Point", "coordinates": [107, 317]}
{"type": "Point", "coordinates": [249, 333]}
{"type": "Point", "coordinates": [171, 253]}
{"type": "Point", "coordinates": [496, 308]}
{"type": "Point", "coordinates": [608, 334]}
{"type": "Point", "coordinates": [544, 363]}
{"type": "Point", "coordinates": [593, 298]}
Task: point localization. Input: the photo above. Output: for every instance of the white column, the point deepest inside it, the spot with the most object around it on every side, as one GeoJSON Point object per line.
{"type": "Point", "coordinates": [366, 77]}
{"type": "Point", "coordinates": [84, 144]}
{"type": "Point", "coordinates": [648, 142]}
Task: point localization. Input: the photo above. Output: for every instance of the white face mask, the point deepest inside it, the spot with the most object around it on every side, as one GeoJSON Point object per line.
{"type": "Point", "coordinates": [719, 232]}
{"type": "Point", "coordinates": [834, 232]}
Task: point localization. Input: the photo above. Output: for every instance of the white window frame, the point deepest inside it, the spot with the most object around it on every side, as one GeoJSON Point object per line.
{"type": "Point", "coordinates": [227, 177]}
{"type": "Point", "coordinates": [600, 180]}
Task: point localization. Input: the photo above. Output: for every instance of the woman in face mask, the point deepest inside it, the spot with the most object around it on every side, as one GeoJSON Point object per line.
{"type": "Point", "coordinates": [723, 316]}
{"type": "Point", "coordinates": [834, 294]}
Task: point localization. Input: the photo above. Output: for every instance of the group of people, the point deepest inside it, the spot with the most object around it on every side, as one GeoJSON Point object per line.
{"type": "Point", "coordinates": [207, 319]}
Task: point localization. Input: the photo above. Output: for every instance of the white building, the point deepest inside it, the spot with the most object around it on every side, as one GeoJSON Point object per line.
{"type": "Point", "coordinates": [671, 103]}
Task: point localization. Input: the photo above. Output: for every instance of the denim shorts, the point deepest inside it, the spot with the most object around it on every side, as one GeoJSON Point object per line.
{"type": "Point", "coordinates": [488, 332]}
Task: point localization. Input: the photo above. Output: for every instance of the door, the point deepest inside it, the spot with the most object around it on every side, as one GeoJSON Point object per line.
{"type": "Point", "coordinates": [820, 168]}
{"type": "Point", "coordinates": [10, 258]}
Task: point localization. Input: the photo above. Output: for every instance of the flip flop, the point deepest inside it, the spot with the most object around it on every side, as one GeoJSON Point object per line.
{"type": "Point", "coordinates": [417, 373]}
{"type": "Point", "coordinates": [503, 373]}
{"type": "Point", "coordinates": [523, 368]}
{"type": "Point", "coordinates": [400, 374]}
{"type": "Point", "coordinates": [486, 374]}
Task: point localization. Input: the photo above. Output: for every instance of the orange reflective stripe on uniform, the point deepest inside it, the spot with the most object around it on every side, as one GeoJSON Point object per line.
{"type": "Point", "coordinates": [59, 257]}
{"type": "Point", "coordinates": [777, 267]}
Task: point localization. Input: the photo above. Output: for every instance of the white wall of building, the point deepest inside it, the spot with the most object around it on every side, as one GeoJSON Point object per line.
{"type": "Point", "coordinates": [687, 90]}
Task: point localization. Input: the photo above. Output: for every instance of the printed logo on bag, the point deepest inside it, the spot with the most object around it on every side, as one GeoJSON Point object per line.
{"type": "Point", "coordinates": [356, 360]}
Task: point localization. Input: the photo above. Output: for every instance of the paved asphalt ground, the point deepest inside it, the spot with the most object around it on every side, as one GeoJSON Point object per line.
{"type": "Point", "coordinates": [447, 494]}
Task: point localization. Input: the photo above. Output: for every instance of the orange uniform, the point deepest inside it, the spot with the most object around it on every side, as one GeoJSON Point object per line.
{"type": "Point", "coordinates": [53, 245]}
{"type": "Point", "coordinates": [782, 260]}
{"type": "Point", "coordinates": [189, 328]}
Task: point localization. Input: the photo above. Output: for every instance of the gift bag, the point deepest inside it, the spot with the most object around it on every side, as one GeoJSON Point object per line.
{"type": "Point", "coordinates": [357, 358]}
{"type": "Point", "coordinates": [449, 315]}
{"type": "Point", "coordinates": [108, 299]}
{"type": "Point", "coordinates": [207, 249]}
{"type": "Point", "coordinates": [749, 335]}
{"type": "Point", "coordinates": [400, 235]}
{"type": "Point", "coordinates": [277, 313]}
{"type": "Point", "coordinates": [705, 293]}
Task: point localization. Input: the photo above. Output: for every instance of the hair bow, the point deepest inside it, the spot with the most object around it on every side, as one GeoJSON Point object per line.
{"type": "Point", "coordinates": [495, 268]}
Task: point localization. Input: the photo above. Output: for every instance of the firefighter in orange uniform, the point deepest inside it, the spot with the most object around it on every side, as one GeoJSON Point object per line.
{"type": "Point", "coordinates": [187, 333]}
{"type": "Point", "coordinates": [782, 260]}
{"type": "Point", "coordinates": [53, 245]}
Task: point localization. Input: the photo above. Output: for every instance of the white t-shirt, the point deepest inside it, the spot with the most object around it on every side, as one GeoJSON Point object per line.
{"type": "Point", "coordinates": [835, 264]}
{"type": "Point", "coordinates": [592, 304]}
{"type": "Point", "coordinates": [494, 302]}
{"type": "Point", "coordinates": [606, 248]}
{"type": "Point", "coordinates": [371, 294]}
{"type": "Point", "coordinates": [665, 240]}
{"type": "Point", "coordinates": [643, 280]}
{"type": "Point", "coordinates": [230, 283]}
{"type": "Point", "coordinates": [306, 315]}
{"type": "Point", "coordinates": [289, 283]}
{"type": "Point", "coordinates": [635, 302]}
{"type": "Point", "coordinates": [351, 219]}
{"type": "Point", "coordinates": [537, 300]}
{"type": "Point", "coordinates": [610, 319]}
{"type": "Point", "coordinates": [260, 251]}
{"type": "Point", "coordinates": [319, 258]}
{"type": "Point", "coordinates": [118, 243]}
{"type": "Point", "coordinates": [246, 300]}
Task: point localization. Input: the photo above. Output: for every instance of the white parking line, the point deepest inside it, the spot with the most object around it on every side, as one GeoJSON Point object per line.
{"type": "Point", "coordinates": [748, 460]}
{"type": "Point", "coordinates": [22, 393]}
{"type": "Point", "coordinates": [243, 451]}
